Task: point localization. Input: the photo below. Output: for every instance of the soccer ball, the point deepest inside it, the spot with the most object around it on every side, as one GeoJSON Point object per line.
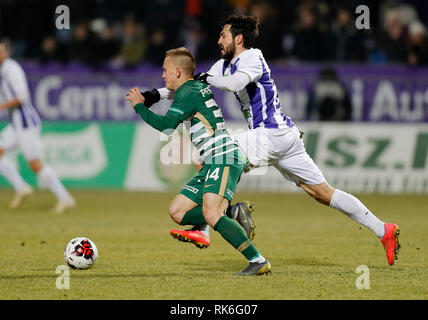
{"type": "Point", "coordinates": [80, 253]}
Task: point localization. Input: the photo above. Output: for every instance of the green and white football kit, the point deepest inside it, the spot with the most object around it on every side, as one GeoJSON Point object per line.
{"type": "Point", "coordinates": [223, 162]}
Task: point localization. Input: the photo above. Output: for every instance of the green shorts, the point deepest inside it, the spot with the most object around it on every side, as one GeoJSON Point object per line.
{"type": "Point", "coordinates": [215, 178]}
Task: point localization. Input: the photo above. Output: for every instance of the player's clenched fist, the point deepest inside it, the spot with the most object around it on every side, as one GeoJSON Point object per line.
{"type": "Point", "coordinates": [134, 96]}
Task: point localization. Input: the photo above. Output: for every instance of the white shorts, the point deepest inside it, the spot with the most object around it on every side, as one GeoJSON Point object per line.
{"type": "Point", "coordinates": [27, 140]}
{"type": "Point", "coordinates": [283, 149]}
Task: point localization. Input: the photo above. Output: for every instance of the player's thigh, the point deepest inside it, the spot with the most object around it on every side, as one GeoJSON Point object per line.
{"type": "Point", "coordinates": [193, 189]}
{"type": "Point", "coordinates": [254, 144]}
{"type": "Point", "coordinates": [222, 179]}
{"type": "Point", "coordinates": [298, 167]}
{"type": "Point", "coordinates": [30, 143]}
{"type": "Point", "coordinates": [179, 206]}
{"type": "Point", "coordinates": [36, 165]}
{"type": "Point", "coordinates": [219, 189]}
{"type": "Point", "coordinates": [265, 147]}
{"type": "Point", "coordinates": [8, 139]}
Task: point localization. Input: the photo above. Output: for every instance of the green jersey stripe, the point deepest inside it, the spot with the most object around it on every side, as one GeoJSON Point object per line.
{"type": "Point", "coordinates": [200, 138]}
{"type": "Point", "coordinates": [196, 127]}
{"type": "Point", "coordinates": [195, 102]}
{"type": "Point", "coordinates": [211, 103]}
{"type": "Point", "coordinates": [205, 122]}
{"type": "Point", "coordinates": [221, 153]}
{"type": "Point", "coordinates": [225, 145]}
{"type": "Point", "coordinates": [212, 141]}
{"type": "Point", "coordinates": [196, 135]}
{"type": "Point", "coordinates": [176, 110]}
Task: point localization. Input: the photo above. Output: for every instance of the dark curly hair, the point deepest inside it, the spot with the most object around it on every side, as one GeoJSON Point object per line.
{"type": "Point", "coordinates": [248, 26]}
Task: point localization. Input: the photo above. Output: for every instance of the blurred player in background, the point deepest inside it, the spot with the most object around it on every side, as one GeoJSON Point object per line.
{"type": "Point", "coordinates": [206, 197]}
{"type": "Point", "coordinates": [273, 138]}
{"type": "Point", "coordinates": [23, 132]}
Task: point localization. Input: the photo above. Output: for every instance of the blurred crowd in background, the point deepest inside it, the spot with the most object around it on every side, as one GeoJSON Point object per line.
{"type": "Point", "coordinates": [125, 33]}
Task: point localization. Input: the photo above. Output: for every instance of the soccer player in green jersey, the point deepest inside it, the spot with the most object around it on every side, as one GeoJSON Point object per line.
{"type": "Point", "coordinates": [207, 196]}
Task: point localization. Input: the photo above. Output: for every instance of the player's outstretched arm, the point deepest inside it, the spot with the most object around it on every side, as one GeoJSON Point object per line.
{"type": "Point", "coordinates": [166, 94]}
{"type": "Point", "coordinates": [158, 94]}
{"type": "Point", "coordinates": [10, 104]}
{"type": "Point", "coordinates": [165, 124]}
{"type": "Point", "coordinates": [234, 83]}
{"type": "Point", "coordinates": [150, 97]}
{"type": "Point", "coordinates": [202, 76]}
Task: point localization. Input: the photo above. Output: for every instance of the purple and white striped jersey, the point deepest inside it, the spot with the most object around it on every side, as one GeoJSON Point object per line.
{"type": "Point", "coordinates": [259, 99]}
{"type": "Point", "coordinates": [13, 84]}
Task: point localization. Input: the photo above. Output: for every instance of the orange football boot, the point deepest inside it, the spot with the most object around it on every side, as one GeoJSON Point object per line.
{"type": "Point", "coordinates": [390, 242]}
{"type": "Point", "coordinates": [193, 236]}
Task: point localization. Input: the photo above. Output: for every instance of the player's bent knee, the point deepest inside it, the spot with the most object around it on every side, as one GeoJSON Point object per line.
{"type": "Point", "coordinates": [176, 213]}
{"type": "Point", "coordinates": [35, 165]}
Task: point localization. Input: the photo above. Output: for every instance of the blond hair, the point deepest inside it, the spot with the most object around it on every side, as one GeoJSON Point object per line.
{"type": "Point", "coordinates": [183, 58]}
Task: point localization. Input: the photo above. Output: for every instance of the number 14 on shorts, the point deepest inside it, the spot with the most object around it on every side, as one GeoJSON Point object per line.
{"type": "Point", "coordinates": [213, 175]}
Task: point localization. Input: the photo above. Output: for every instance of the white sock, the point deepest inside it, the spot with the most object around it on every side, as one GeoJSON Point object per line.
{"type": "Point", "coordinates": [259, 259]}
{"type": "Point", "coordinates": [205, 230]}
{"type": "Point", "coordinates": [9, 171]}
{"type": "Point", "coordinates": [357, 211]}
{"type": "Point", "coordinates": [50, 179]}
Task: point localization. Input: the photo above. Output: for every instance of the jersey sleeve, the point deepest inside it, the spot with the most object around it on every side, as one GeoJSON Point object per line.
{"type": "Point", "coordinates": [234, 83]}
{"type": "Point", "coordinates": [216, 69]}
{"type": "Point", "coordinates": [17, 82]}
{"type": "Point", "coordinates": [251, 65]}
{"type": "Point", "coordinates": [182, 107]}
{"type": "Point", "coordinates": [166, 94]}
{"type": "Point", "coordinates": [165, 124]}
{"type": "Point", "coordinates": [177, 113]}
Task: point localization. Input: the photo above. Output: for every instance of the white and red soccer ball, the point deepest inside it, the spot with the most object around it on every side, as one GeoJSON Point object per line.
{"type": "Point", "coordinates": [80, 253]}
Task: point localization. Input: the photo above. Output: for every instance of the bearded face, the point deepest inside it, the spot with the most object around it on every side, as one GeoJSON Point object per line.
{"type": "Point", "coordinates": [228, 52]}
{"type": "Point", "coordinates": [226, 43]}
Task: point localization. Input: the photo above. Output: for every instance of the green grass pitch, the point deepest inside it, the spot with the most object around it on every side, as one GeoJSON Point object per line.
{"type": "Point", "coordinates": [314, 250]}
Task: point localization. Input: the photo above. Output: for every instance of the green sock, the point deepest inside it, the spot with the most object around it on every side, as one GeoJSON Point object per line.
{"type": "Point", "coordinates": [193, 217]}
{"type": "Point", "coordinates": [229, 211]}
{"type": "Point", "coordinates": [236, 236]}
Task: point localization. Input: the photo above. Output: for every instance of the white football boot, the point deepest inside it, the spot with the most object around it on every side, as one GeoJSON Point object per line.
{"type": "Point", "coordinates": [20, 196]}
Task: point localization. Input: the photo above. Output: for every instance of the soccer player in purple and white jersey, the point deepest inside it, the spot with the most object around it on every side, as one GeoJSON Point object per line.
{"type": "Point", "coordinates": [23, 132]}
{"type": "Point", "coordinates": [273, 138]}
